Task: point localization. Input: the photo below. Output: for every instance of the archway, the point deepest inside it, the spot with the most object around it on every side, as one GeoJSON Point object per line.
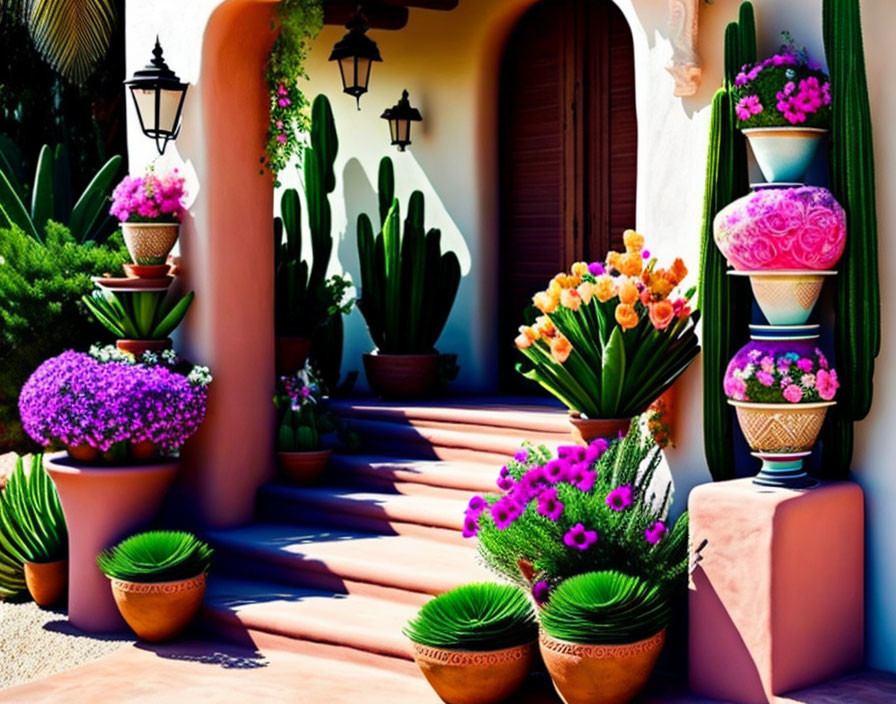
{"type": "Point", "coordinates": [568, 150]}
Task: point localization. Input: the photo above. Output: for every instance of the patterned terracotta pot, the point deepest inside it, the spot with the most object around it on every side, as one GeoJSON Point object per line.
{"type": "Point", "coordinates": [290, 354]}
{"type": "Point", "coordinates": [784, 154]}
{"type": "Point", "coordinates": [584, 430]}
{"type": "Point", "coordinates": [781, 427]}
{"type": "Point", "coordinates": [600, 674]}
{"type": "Point", "coordinates": [303, 467]}
{"type": "Point", "coordinates": [783, 229]}
{"type": "Point", "coordinates": [158, 611]}
{"type": "Point", "coordinates": [149, 243]}
{"type": "Point", "coordinates": [46, 581]}
{"type": "Point", "coordinates": [401, 375]}
{"type": "Point", "coordinates": [138, 347]}
{"type": "Point", "coordinates": [786, 297]}
{"type": "Point", "coordinates": [468, 677]}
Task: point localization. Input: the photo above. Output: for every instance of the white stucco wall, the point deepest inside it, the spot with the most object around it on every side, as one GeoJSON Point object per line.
{"type": "Point", "coordinates": [448, 62]}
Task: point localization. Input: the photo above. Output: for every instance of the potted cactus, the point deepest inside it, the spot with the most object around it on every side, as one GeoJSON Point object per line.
{"type": "Point", "coordinates": [304, 418]}
{"type": "Point", "coordinates": [407, 289]}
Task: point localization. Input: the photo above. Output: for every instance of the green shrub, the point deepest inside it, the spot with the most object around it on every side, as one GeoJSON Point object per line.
{"type": "Point", "coordinates": [41, 313]}
{"type": "Point", "coordinates": [156, 556]}
{"type": "Point", "coordinates": [605, 608]}
{"type": "Point", "coordinates": [480, 616]}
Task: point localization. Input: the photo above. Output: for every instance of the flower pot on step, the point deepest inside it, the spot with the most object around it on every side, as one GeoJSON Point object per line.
{"type": "Point", "coordinates": [158, 611]}
{"type": "Point", "coordinates": [468, 677]}
{"type": "Point", "coordinates": [290, 354]}
{"type": "Point", "coordinates": [584, 430]}
{"type": "Point", "coordinates": [86, 454]}
{"type": "Point", "coordinates": [46, 581]}
{"type": "Point", "coordinates": [786, 297]}
{"type": "Point", "coordinates": [153, 271]}
{"type": "Point", "coordinates": [102, 505]}
{"type": "Point", "coordinates": [401, 375]}
{"type": "Point", "coordinates": [303, 467]}
{"type": "Point", "coordinates": [600, 674]}
{"type": "Point", "coordinates": [138, 347]}
{"type": "Point", "coordinates": [149, 243]}
{"type": "Point", "coordinates": [784, 153]}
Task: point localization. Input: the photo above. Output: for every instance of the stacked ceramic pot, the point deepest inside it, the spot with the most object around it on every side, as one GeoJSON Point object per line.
{"type": "Point", "coordinates": [787, 238]}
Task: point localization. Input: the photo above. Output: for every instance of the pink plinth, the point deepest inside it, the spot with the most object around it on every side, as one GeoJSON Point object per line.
{"type": "Point", "coordinates": [102, 505]}
{"type": "Point", "coordinates": [776, 600]}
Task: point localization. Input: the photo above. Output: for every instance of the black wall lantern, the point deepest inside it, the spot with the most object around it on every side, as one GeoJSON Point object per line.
{"type": "Point", "coordinates": [355, 52]}
{"type": "Point", "coordinates": [400, 117]}
{"type": "Point", "coordinates": [159, 98]}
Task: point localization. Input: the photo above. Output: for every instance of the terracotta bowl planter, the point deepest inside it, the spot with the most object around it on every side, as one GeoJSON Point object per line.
{"type": "Point", "coordinates": [46, 581]}
{"type": "Point", "coordinates": [148, 243]}
{"type": "Point", "coordinates": [600, 674]}
{"type": "Point", "coordinates": [781, 427]}
{"type": "Point", "coordinates": [151, 271]}
{"type": "Point", "coordinates": [584, 430]}
{"type": "Point", "coordinates": [467, 677]}
{"type": "Point", "coordinates": [138, 347]}
{"type": "Point", "coordinates": [401, 375]}
{"type": "Point", "coordinates": [158, 611]}
{"type": "Point", "coordinates": [291, 353]}
{"type": "Point", "coordinates": [303, 467]}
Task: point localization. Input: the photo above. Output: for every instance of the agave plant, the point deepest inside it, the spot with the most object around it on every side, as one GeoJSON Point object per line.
{"type": "Point", "coordinates": [51, 197]}
{"type": "Point", "coordinates": [138, 315]}
{"type": "Point", "coordinates": [32, 526]}
{"type": "Point", "coordinates": [480, 616]}
{"type": "Point", "coordinates": [605, 608]}
{"type": "Point", "coordinates": [156, 556]}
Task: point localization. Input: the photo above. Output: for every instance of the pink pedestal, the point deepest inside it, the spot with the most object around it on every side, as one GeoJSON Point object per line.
{"type": "Point", "coordinates": [776, 602]}
{"type": "Point", "coordinates": [102, 505]}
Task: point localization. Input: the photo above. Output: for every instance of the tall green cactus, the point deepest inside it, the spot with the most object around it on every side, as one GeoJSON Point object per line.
{"type": "Point", "coordinates": [298, 431]}
{"type": "Point", "coordinates": [724, 300]}
{"type": "Point", "coordinates": [407, 285]}
{"type": "Point", "coordinates": [857, 289]}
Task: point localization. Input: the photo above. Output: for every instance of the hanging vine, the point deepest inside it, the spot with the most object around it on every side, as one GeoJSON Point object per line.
{"type": "Point", "coordinates": [297, 22]}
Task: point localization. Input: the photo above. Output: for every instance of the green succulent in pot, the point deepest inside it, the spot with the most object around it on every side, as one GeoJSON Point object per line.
{"type": "Point", "coordinates": [139, 315]}
{"type": "Point", "coordinates": [156, 556]}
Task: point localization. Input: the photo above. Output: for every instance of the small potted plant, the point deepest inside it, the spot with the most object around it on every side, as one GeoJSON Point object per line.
{"type": "Point", "coordinates": [475, 644]}
{"type": "Point", "coordinates": [158, 581]}
{"type": "Point", "coordinates": [781, 385]}
{"type": "Point", "coordinates": [408, 287]}
{"type": "Point", "coordinates": [33, 535]}
{"type": "Point", "coordinates": [601, 634]}
{"type": "Point", "coordinates": [150, 208]}
{"type": "Point", "coordinates": [612, 337]}
{"type": "Point", "coordinates": [783, 106]}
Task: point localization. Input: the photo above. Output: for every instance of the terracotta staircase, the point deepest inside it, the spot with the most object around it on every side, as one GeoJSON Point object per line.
{"type": "Point", "coordinates": [337, 569]}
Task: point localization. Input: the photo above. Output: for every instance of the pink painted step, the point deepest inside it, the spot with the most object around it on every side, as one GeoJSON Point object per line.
{"type": "Point", "coordinates": [406, 475]}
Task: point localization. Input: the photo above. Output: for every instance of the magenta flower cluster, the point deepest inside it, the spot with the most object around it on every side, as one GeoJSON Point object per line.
{"type": "Point", "coordinates": [149, 198]}
{"type": "Point", "coordinates": [75, 399]}
{"type": "Point", "coordinates": [764, 373]}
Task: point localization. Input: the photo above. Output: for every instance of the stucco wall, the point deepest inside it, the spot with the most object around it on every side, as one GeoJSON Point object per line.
{"type": "Point", "coordinates": [448, 62]}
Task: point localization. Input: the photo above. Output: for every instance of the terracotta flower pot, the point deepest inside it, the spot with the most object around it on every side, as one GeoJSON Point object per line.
{"type": "Point", "coordinates": [291, 353]}
{"type": "Point", "coordinates": [584, 430]}
{"type": "Point", "coordinates": [401, 375]}
{"type": "Point", "coordinates": [468, 677]}
{"type": "Point", "coordinates": [138, 347]}
{"type": "Point", "coordinates": [303, 467]}
{"type": "Point", "coordinates": [148, 243]}
{"type": "Point", "coordinates": [158, 611]}
{"type": "Point", "coordinates": [83, 453]}
{"type": "Point", "coordinates": [146, 271]}
{"type": "Point", "coordinates": [784, 153]}
{"type": "Point", "coordinates": [102, 505]}
{"type": "Point", "coordinates": [46, 581]}
{"type": "Point", "coordinates": [600, 674]}
{"type": "Point", "coordinates": [143, 451]}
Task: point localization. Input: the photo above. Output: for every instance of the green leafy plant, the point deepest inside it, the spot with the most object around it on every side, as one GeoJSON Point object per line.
{"type": "Point", "coordinates": [407, 284]}
{"type": "Point", "coordinates": [138, 315]}
{"type": "Point", "coordinates": [725, 301]}
{"type": "Point", "coordinates": [51, 197]}
{"type": "Point", "coordinates": [42, 314]}
{"type": "Point", "coordinates": [606, 608]}
{"type": "Point", "coordinates": [32, 526]}
{"type": "Point", "coordinates": [156, 556]}
{"type": "Point", "coordinates": [305, 415]}
{"type": "Point", "coordinates": [480, 616]}
{"type": "Point", "coordinates": [298, 22]}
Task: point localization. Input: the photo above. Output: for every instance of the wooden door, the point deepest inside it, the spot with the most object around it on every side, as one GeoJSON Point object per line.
{"type": "Point", "coordinates": [568, 143]}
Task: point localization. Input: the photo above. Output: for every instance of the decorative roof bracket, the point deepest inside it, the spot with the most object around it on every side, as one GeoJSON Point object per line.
{"type": "Point", "coordinates": [685, 64]}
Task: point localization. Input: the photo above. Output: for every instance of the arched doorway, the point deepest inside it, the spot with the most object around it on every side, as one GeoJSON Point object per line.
{"type": "Point", "coordinates": [568, 151]}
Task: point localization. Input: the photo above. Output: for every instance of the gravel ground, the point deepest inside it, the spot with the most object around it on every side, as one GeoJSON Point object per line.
{"type": "Point", "coordinates": [35, 643]}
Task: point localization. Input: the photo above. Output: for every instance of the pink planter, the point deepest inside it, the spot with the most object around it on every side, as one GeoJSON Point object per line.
{"type": "Point", "coordinates": [782, 228]}
{"type": "Point", "coordinates": [102, 505]}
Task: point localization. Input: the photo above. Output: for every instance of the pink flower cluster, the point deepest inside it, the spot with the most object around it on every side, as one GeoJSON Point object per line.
{"type": "Point", "coordinates": [796, 103]}
{"type": "Point", "coordinates": [747, 107]}
{"type": "Point", "coordinates": [764, 376]}
{"type": "Point", "coordinates": [149, 198]}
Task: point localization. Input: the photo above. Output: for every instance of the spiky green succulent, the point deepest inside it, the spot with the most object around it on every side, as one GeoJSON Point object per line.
{"type": "Point", "coordinates": [478, 617]}
{"type": "Point", "coordinates": [156, 556]}
{"type": "Point", "coordinates": [605, 608]}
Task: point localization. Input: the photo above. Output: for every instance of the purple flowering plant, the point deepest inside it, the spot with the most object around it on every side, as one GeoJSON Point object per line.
{"type": "Point", "coordinates": [583, 509]}
{"type": "Point", "coordinates": [108, 400]}
{"type": "Point", "coordinates": [150, 198]}
{"type": "Point", "coordinates": [784, 90]}
{"type": "Point", "coordinates": [774, 373]}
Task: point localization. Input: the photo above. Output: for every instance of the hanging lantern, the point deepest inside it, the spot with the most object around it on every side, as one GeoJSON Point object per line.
{"type": "Point", "coordinates": [159, 98]}
{"type": "Point", "coordinates": [355, 52]}
{"type": "Point", "coordinates": [400, 117]}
